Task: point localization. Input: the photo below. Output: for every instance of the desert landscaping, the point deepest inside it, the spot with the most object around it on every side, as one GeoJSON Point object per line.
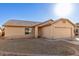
{"type": "Point", "coordinates": [37, 47]}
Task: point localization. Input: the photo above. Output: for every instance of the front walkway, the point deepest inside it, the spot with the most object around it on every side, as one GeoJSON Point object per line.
{"type": "Point", "coordinates": [73, 41]}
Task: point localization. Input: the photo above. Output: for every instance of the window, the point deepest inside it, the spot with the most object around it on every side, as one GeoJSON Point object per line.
{"type": "Point", "coordinates": [76, 30]}
{"type": "Point", "coordinates": [28, 31]}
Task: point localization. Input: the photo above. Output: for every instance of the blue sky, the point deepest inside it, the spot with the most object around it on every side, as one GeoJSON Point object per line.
{"type": "Point", "coordinates": [33, 12]}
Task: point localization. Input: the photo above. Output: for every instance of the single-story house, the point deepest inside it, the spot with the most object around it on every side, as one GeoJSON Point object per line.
{"type": "Point", "coordinates": [61, 28]}
{"type": "Point", "coordinates": [77, 29]}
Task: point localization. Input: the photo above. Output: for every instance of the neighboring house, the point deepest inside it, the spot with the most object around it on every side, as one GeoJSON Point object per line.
{"type": "Point", "coordinates": [61, 28]}
{"type": "Point", "coordinates": [77, 29]}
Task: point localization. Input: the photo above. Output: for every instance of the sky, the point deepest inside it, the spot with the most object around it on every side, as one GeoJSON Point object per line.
{"type": "Point", "coordinates": [34, 12]}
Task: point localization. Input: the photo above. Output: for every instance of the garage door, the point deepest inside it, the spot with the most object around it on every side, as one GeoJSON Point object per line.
{"type": "Point", "coordinates": [62, 32]}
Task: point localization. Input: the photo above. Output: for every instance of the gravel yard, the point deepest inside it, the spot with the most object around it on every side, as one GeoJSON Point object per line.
{"type": "Point", "coordinates": [38, 47]}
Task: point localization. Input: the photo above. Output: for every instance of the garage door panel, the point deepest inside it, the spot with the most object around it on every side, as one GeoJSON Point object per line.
{"type": "Point", "coordinates": [62, 32]}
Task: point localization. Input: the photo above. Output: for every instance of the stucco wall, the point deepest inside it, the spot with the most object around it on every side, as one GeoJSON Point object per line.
{"type": "Point", "coordinates": [13, 31]}
{"type": "Point", "coordinates": [45, 32]}
{"type": "Point", "coordinates": [61, 23]}
{"type": "Point", "coordinates": [17, 32]}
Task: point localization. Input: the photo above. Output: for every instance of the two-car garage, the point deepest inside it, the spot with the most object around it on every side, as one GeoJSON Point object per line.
{"type": "Point", "coordinates": [58, 29]}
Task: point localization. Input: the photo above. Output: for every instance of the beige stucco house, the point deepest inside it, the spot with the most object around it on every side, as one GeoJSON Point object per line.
{"type": "Point", "coordinates": [61, 28]}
